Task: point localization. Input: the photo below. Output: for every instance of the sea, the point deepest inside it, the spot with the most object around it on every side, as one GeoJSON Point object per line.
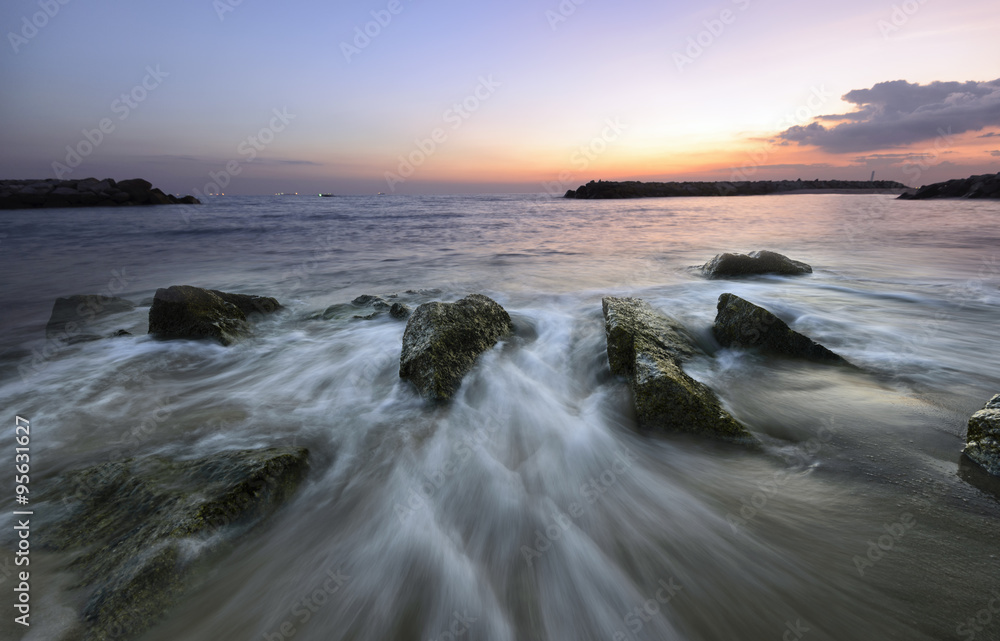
{"type": "Point", "coordinates": [530, 507]}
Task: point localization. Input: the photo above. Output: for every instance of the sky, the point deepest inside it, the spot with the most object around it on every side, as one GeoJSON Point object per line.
{"type": "Point", "coordinates": [415, 97]}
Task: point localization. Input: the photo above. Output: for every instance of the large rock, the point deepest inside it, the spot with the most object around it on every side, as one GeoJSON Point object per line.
{"type": "Point", "coordinates": [758, 262]}
{"type": "Point", "coordinates": [143, 527]}
{"type": "Point", "coordinates": [442, 341]}
{"type": "Point", "coordinates": [740, 323]}
{"type": "Point", "coordinates": [647, 348]}
{"type": "Point", "coordinates": [187, 312]}
{"type": "Point", "coordinates": [71, 314]}
{"type": "Point", "coordinates": [984, 186]}
{"type": "Point", "coordinates": [88, 192]}
{"type": "Point", "coordinates": [983, 437]}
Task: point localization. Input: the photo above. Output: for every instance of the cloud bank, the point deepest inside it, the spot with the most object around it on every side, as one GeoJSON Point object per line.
{"type": "Point", "coordinates": [899, 113]}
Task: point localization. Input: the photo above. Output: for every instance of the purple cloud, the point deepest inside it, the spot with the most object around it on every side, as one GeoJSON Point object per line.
{"type": "Point", "coordinates": [899, 113]}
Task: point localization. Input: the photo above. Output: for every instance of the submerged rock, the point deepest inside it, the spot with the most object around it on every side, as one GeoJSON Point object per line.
{"type": "Point", "coordinates": [400, 310]}
{"type": "Point", "coordinates": [187, 312]}
{"type": "Point", "coordinates": [646, 348]}
{"type": "Point", "coordinates": [740, 323]}
{"type": "Point", "coordinates": [443, 340]}
{"type": "Point", "coordinates": [368, 300]}
{"type": "Point", "coordinates": [758, 262]}
{"type": "Point", "coordinates": [144, 526]}
{"type": "Point", "coordinates": [983, 437]}
{"type": "Point", "coordinates": [71, 314]}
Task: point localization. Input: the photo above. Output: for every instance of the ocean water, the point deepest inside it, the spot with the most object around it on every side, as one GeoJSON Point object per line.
{"type": "Point", "coordinates": [530, 508]}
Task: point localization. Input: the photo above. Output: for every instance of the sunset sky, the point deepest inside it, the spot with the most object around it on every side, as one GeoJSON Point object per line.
{"type": "Point", "coordinates": [519, 96]}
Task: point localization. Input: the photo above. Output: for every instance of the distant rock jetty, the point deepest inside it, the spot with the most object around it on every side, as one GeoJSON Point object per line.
{"type": "Point", "coordinates": [635, 189]}
{"type": "Point", "coordinates": [89, 192]}
{"type": "Point", "coordinates": [985, 186]}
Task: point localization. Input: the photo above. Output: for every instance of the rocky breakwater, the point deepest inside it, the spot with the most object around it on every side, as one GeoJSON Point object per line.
{"type": "Point", "coordinates": [601, 189]}
{"type": "Point", "coordinates": [741, 324]}
{"type": "Point", "coordinates": [443, 340]}
{"type": "Point", "coordinates": [89, 192]}
{"type": "Point", "coordinates": [984, 186]}
{"type": "Point", "coordinates": [142, 530]}
{"type": "Point", "coordinates": [647, 348]}
{"type": "Point", "coordinates": [983, 437]}
{"type": "Point", "coordinates": [186, 312]}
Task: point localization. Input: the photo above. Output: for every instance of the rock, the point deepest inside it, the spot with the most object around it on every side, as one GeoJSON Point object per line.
{"type": "Point", "coordinates": [367, 300]}
{"type": "Point", "coordinates": [983, 437]}
{"type": "Point", "coordinates": [646, 348]}
{"type": "Point", "coordinates": [186, 312]}
{"type": "Point", "coordinates": [89, 192]}
{"type": "Point", "coordinates": [984, 186]}
{"type": "Point", "coordinates": [635, 189]}
{"type": "Point", "coordinates": [71, 314]}
{"type": "Point", "coordinates": [144, 527]}
{"type": "Point", "coordinates": [137, 189]}
{"type": "Point", "coordinates": [758, 262]}
{"type": "Point", "coordinates": [400, 311]}
{"type": "Point", "coordinates": [442, 341]}
{"type": "Point", "coordinates": [121, 332]}
{"type": "Point", "coordinates": [742, 324]}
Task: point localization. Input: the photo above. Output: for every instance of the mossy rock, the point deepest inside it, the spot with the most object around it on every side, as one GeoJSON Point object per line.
{"type": "Point", "coordinates": [646, 348]}
{"type": "Point", "coordinates": [741, 324]}
{"type": "Point", "coordinates": [442, 341]}
{"type": "Point", "coordinates": [758, 262]}
{"type": "Point", "coordinates": [142, 527]}
{"type": "Point", "coordinates": [983, 437]}
{"type": "Point", "coordinates": [186, 312]}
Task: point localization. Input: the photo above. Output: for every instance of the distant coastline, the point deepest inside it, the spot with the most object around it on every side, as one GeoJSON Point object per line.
{"type": "Point", "coordinates": [635, 189]}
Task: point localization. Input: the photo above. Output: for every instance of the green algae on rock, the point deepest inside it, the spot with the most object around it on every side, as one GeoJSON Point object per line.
{"type": "Point", "coordinates": [144, 526]}
{"type": "Point", "coordinates": [983, 437]}
{"type": "Point", "coordinates": [646, 348]}
{"type": "Point", "coordinates": [187, 312]}
{"type": "Point", "coordinates": [739, 323]}
{"type": "Point", "coordinates": [442, 341]}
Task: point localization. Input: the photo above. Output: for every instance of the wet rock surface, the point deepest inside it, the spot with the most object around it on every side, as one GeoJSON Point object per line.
{"type": "Point", "coordinates": [647, 348]}
{"type": "Point", "coordinates": [443, 340]}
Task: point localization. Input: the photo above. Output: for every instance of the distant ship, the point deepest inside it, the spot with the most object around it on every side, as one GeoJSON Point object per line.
{"type": "Point", "coordinates": [326, 195]}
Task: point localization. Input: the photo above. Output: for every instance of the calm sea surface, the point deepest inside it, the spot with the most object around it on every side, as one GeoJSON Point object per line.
{"type": "Point", "coordinates": [529, 508]}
